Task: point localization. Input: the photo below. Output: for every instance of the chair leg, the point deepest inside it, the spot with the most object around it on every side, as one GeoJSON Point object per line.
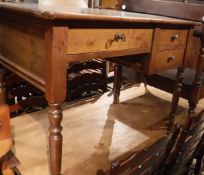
{"type": "Point", "coordinates": [176, 95]}
{"type": "Point", "coordinates": [199, 163]}
{"type": "Point", "coordinates": [195, 96]}
{"type": "Point", "coordinates": [117, 83]}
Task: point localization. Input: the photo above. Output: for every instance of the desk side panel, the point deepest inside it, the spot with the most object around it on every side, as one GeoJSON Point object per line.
{"type": "Point", "coordinates": [22, 49]}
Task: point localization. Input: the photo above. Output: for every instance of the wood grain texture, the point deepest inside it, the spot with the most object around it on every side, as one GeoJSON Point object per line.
{"type": "Point", "coordinates": [163, 61]}
{"type": "Point", "coordinates": [22, 48]}
{"type": "Point", "coordinates": [149, 63]}
{"type": "Point", "coordinates": [56, 68]}
{"type": "Point", "coordinates": [96, 40]}
{"type": "Point", "coordinates": [167, 52]}
{"type": "Point", "coordinates": [57, 11]}
{"type": "Point", "coordinates": [5, 130]}
{"type": "Point", "coordinates": [168, 40]}
{"type": "Point", "coordinates": [192, 51]}
{"type": "Point", "coordinates": [55, 91]}
{"type": "Point", "coordinates": [193, 11]}
{"type": "Point", "coordinates": [111, 4]}
{"type": "Point", "coordinates": [197, 84]}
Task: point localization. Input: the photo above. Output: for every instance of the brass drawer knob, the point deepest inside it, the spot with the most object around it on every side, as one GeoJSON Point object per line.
{"type": "Point", "coordinates": [120, 37]}
{"type": "Point", "coordinates": [174, 37]}
{"type": "Point", "coordinates": [170, 59]}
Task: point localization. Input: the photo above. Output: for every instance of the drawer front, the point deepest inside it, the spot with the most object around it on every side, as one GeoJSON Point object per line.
{"type": "Point", "coordinates": [95, 40]}
{"type": "Point", "coordinates": [169, 59]}
{"type": "Point", "coordinates": [172, 39]}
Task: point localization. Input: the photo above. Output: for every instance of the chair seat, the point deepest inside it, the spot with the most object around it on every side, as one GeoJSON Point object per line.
{"type": "Point", "coordinates": [166, 82]}
{"type": "Point", "coordinates": [189, 75]}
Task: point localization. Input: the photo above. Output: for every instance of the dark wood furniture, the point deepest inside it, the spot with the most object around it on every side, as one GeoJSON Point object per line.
{"type": "Point", "coordinates": [188, 145]}
{"type": "Point", "coordinates": [199, 157]}
{"type": "Point", "coordinates": [149, 161]}
{"type": "Point", "coordinates": [183, 10]}
{"type": "Point", "coordinates": [158, 59]}
{"type": "Point", "coordinates": [51, 37]}
{"type": "Point", "coordinates": [86, 78]}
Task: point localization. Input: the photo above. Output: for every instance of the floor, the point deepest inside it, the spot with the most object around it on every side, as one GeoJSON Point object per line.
{"type": "Point", "coordinates": [95, 131]}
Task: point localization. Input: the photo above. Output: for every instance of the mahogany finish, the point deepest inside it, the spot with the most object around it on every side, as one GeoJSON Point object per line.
{"type": "Point", "coordinates": [175, 8]}
{"type": "Point", "coordinates": [176, 95]}
{"type": "Point", "coordinates": [44, 38]}
{"type": "Point", "coordinates": [188, 145]}
{"type": "Point", "coordinates": [186, 10]}
{"type": "Point", "coordinates": [197, 84]}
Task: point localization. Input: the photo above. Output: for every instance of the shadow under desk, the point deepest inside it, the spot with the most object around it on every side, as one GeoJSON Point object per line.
{"type": "Point", "coordinates": [95, 131]}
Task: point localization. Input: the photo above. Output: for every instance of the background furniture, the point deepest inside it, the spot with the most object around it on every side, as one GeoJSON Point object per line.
{"type": "Point", "coordinates": [168, 52]}
{"type": "Point", "coordinates": [179, 9]}
{"type": "Point", "coordinates": [188, 145]}
{"type": "Point", "coordinates": [85, 79]}
{"type": "Point", "coordinates": [111, 4]}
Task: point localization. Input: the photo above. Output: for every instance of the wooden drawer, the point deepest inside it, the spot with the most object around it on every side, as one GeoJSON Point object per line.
{"type": "Point", "coordinates": [169, 59]}
{"type": "Point", "coordinates": [95, 40]}
{"type": "Point", "coordinates": [170, 39]}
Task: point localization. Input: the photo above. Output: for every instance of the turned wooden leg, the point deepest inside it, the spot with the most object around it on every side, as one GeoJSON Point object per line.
{"type": "Point", "coordinates": [195, 96]}
{"type": "Point", "coordinates": [199, 163]}
{"type": "Point", "coordinates": [55, 139]}
{"type": "Point", "coordinates": [176, 95]}
{"type": "Point", "coordinates": [117, 83]}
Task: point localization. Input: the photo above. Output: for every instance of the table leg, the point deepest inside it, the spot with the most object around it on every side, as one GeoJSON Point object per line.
{"type": "Point", "coordinates": [176, 95]}
{"type": "Point", "coordinates": [55, 90]}
{"type": "Point", "coordinates": [195, 96]}
{"type": "Point", "coordinates": [117, 83]}
{"type": "Point", "coordinates": [55, 139]}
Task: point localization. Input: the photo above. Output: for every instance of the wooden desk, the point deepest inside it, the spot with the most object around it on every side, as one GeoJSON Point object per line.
{"type": "Point", "coordinates": [37, 42]}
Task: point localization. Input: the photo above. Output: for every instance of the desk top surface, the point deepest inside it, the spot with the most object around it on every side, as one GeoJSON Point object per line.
{"type": "Point", "coordinates": [64, 11]}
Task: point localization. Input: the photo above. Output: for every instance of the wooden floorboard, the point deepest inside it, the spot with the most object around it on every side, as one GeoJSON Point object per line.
{"type": "Point", "coordinates": [95, 131]}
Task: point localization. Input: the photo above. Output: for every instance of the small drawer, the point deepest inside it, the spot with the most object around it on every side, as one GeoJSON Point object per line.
{"type": "Point", "coordinates": [172, 39]}
{"type": "Point", "coordinates": [169, 59]}
{"type": "Point", "coordinates": [96, 40]}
